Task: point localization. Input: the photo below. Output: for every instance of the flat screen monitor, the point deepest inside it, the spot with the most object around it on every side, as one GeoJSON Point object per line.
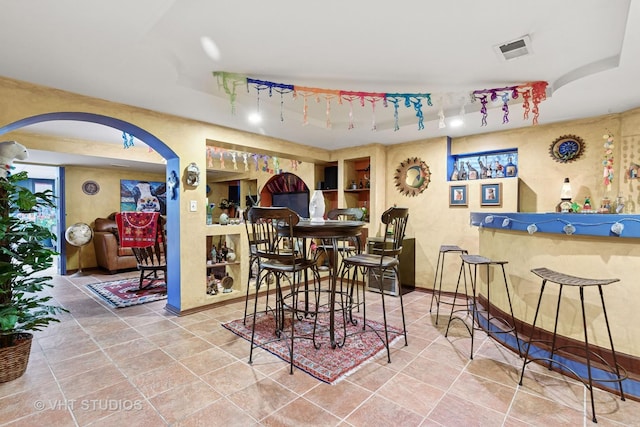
{"type": "Point", "coordinates": [298, 202]}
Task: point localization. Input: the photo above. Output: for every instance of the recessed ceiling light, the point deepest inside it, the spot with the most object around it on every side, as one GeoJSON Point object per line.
{"type": "Point", "coordinates": [456, 122]}
{"type": "Point", "coordinates": [255, 118]}
{"type": "Point", "coordinates": [210, 48]}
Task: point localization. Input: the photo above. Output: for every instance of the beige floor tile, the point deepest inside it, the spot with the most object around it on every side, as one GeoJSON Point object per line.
{"type": "Point", "coordinates": [207, 361]}
{"type": "Point", "coordinates": [329, 397]}
{"type": "Point", "coordinates": [186, 348]}
{"type": "Point", "coordinates": [262, 398]}
{"type": "Point", "coordinates": [455, 411]}
{"type": "Point", "coordinates": [484, 392]}
{"type": "Point", "coordinates": [404, 390]}
{"type": "Point", "coordinates": [119, 397]}
{"type": "Point", "coordinates": [182, 401]}
{"type": "Point", "coordinates": [163, 378]}
{"type": "Point", "coordinates": [378, 411]}
{"type": "Point", "coordinates": [144, 362]}
{"type": "Point", "coordinates": [61, 418]}
{"type": "Point", "coordinates": [83, 363]}
{"type": "Point", "coordinates": [117, 337]}
{"type": "Point", "coordinates": [300, 413]}
{"type": "Point", "coordinates": [232, 378]}
{"type": "Point", "coordinates": [45, 399]}
{"type": "Point", "coordinates": [86, 382]}
{"type": "Point", "coordinates": [541, 411]}
{"type": "Point", "coordinates": [222, 412]}
{"type": "Point", "coordinates": [128, 350]}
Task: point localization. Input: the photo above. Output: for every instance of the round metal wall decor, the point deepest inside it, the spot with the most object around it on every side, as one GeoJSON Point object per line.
{"type": "Point", "coordinates": [566, 148]}
{"type": "Point", "coordinates": [90, 187]}
{"type": "Point", "coordinates": [412, 177]}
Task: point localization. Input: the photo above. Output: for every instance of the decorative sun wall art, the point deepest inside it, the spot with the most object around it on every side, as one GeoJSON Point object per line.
{"type": "Point", "coordinates": [412, 177]}
{"type": "Point", "coordinates": [566, 148]}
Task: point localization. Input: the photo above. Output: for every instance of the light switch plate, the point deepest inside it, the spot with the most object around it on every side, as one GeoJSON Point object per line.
{"type": "Point", "coordinates": [193, 207]}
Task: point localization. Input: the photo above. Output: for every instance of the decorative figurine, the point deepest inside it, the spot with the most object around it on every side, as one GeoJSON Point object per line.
{"type": "Point", "coordinates": [10, 151]}
{"type": "Point", "coordinates": [193, 175]}
{"type": "Point", "coordinates": [316, 207]}
{"type": "Point", "coordinates": [473, 172]}
{"type": "Point", "coordinates": [173, 183]}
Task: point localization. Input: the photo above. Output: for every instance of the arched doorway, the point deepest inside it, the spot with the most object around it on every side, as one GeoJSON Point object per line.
{"type": "Point", "coordinates": [173, 163]}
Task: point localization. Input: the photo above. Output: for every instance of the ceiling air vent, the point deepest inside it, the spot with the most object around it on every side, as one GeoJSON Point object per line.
{"type": "Point", "coordinates": [514, 49]}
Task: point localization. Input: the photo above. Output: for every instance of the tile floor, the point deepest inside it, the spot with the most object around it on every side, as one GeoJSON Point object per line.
{"type": "Point", "coordinates": [142, 366]}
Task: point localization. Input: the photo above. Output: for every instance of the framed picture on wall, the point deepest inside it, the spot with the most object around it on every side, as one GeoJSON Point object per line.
{"type": "Point", "coordinates": [143, 196]}
{"type": "Point", "coordinates": [458, 195]}
{"type": "Point", "coordinates": [491, 194]}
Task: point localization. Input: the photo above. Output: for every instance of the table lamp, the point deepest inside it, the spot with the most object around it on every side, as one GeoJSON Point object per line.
{"type": "Point", "coordinates": [565, 197]}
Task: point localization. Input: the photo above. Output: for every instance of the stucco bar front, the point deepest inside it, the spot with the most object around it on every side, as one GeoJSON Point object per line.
{"type": "Point", "coordinates": [595, 246]}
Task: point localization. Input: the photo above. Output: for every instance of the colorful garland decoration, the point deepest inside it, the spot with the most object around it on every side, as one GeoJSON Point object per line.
{"type": "Point", "coordinates": [261, 161]}
{"type": "Point", "coordinates": [532, 93]}
{"type": "Point", "coordinates": [607, 163]}
{"type": "Point", "coordinates": [127, 140]}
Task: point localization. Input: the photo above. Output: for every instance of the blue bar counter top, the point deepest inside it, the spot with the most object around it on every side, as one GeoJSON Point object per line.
{"type": "Point", "coordinates": [592, 224]}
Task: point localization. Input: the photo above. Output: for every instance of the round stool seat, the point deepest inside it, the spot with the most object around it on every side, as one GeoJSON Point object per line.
{"type": "Point", "coordinates": [479, 260]}
{"type": "Point", "coordinates": [451, 248]}
{"type": "Point", "coordinates": [565, 279]}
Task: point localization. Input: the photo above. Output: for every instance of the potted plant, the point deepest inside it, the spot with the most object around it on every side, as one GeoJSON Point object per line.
{"type": "Point", "coordinates": [23, 258]}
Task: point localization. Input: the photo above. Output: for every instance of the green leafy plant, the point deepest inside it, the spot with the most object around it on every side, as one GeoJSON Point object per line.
{"type": "Point", "coordinates": [23, 258]}
{"type": "Point", "coordinates": [226, 204]}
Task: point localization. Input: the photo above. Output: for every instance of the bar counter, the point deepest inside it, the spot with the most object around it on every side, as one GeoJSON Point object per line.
{"type": "Point", "coordinates": [597, 246]}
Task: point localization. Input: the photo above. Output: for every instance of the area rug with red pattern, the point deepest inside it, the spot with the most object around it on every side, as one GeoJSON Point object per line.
{"type": "Point", "coordinates": [324, 363]}
{"type": "Point", "coordinates": [125, 293]}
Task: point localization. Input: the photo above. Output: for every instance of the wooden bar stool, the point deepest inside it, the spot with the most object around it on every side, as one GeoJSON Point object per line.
{"type": "Point", "coordinates": [490, 324]}
{"type": "Point", "coordinates": [613, 373]}
{"type": "Point", "coordinates": [436, 295]}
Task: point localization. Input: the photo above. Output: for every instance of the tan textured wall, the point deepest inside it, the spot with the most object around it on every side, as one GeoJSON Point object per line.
{"type": "Point", "coordinates": [81, 207]}
{"type": "Point", "coordinates": [432, 221]}
{"type": "Point", "coordinates": [187, 138]}
{"type": "Point", "coordinates": [585, 256]}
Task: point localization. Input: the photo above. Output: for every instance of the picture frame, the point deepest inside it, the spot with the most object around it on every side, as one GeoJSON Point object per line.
{"type": "Point", "coordinates": [143, 196]}
{"type": "Point", "coordinates": [491, 194]}
{"type": "Point", "coordinates": [458, 195]}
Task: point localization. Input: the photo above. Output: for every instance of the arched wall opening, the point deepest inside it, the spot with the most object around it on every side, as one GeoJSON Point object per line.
{"type": "Point", "coordinates": [173, 163]}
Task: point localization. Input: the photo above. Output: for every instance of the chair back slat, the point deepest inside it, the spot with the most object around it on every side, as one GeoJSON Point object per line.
{"type": "Point", "coordinates": [270, 230]}
{"type": "Point", "coordinates": [395, 223]}
{"type": "Point", "coordinates": [353, 214]}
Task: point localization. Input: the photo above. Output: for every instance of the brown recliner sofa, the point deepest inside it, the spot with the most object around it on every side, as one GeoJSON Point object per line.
{"type": "Point", "coordinates": [109, 255]}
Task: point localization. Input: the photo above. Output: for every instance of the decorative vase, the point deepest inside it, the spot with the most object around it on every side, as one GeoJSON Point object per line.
{"type": "Point", "coordinates": [316, 207]}
{"type": "Point", "coordinates": [14, 359]}
{"type": "Point", "coordinates": [224, 218]}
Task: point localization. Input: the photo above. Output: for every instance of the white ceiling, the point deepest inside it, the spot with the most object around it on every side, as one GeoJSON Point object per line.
{"type": "Point", "coordinates": [149, 53]}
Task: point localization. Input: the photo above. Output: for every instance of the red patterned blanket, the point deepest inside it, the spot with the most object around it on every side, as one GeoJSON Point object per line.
{"type": "Point", "coordinates": [137, 229]}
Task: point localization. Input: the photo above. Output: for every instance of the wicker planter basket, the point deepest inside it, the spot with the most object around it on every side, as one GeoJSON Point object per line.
{"type": "Point", "coordinates": [14, 360]}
